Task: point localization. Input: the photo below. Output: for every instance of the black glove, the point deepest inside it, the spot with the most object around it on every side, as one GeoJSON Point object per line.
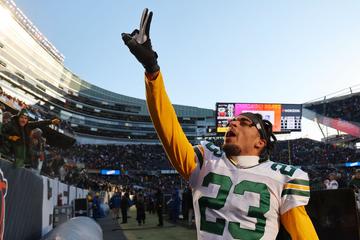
{"type": "Point", "coordinates": [139, 44]}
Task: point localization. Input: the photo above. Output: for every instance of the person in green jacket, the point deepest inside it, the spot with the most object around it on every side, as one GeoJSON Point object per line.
{"type": "Point", "coordinates": [16, 136]}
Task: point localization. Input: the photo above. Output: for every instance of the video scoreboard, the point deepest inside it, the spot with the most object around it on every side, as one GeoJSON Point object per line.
{"type": "Point", "coordinates": [284, 117]}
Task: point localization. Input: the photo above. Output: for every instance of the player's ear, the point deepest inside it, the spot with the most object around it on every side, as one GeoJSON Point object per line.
{"type": "Point", "coordinates": [260, 144]}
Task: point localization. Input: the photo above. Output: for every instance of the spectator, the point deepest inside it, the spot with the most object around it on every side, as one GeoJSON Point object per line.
{"type": "Point", "coordinates": [189, 208]}
{"type": "Point", "coordinates": [340, 179]}
{"type": "Point", "coordinates": [6, 117]}
{"type": "Point", "coordinates": [37, 149]}
{"type": "Point", "coordinates": [124, 205]}
{"type": "Point", "coordinates": [174, 206]}
{"type": "Point", "coordinates": [332, 183]}
{"type": "Point", "coordinates": [62, 173]}
{"type": "Point", "coordinates": [115, 204]}
{"type": "Point", "coordinates": [150, 204]}
{"type": "Point", "coordinates": [16, 135]}
{"type": "Point", "coordinates": [96, 206]}
{"type": "Point", "coordinates": [140, 209]}
{"type": "Point", "coordinates": [2, 110]}
{"type": "Point", "coordinates": [159, 206]}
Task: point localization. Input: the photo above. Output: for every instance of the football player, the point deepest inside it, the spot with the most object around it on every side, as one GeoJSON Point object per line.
{"type": "Point", "coordinates": [236, 195]}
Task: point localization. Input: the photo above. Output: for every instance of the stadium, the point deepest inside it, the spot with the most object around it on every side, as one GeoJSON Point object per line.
{"type": "Point", "coordinates": [106, 145]}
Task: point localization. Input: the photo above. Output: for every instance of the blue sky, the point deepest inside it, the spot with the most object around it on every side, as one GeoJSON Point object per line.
{"type": "Point", "coordinates": [211, 51]}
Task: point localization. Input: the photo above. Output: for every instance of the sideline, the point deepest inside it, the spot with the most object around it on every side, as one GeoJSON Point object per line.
{"type": "Point", "coordinates": [110, 229]}
{"type": "Point", "coordinates": [150, 230]}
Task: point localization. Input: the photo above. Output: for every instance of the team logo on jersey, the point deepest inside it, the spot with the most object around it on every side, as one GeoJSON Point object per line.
{"type": "Point", "coordinates": [3, 190]}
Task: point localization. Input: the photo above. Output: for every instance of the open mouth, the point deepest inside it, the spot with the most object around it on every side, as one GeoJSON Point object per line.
{"type": "Point", "coordinates": [230, 134]}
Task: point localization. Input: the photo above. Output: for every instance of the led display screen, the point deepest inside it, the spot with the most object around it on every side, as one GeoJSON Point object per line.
{"type": "Point", "coordinates": [284, 117]}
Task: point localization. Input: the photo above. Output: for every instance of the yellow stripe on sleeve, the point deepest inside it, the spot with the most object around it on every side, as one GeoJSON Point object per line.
{"type": "Point", "coordinates": [296, 186]}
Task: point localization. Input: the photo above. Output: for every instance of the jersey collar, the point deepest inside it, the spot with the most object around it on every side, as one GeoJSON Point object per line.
{"type": "Point", "coordinates": [244, 161]}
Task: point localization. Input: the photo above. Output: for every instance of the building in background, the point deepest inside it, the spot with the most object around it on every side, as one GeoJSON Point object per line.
{"type": "Point", "coordinates": [33, 70]}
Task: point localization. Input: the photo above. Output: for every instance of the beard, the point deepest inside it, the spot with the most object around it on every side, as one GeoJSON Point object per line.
{"type": "Point", "coordinates": [231, 150]}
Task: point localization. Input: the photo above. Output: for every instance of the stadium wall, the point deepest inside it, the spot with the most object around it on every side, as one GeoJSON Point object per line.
{"type": "Point", "coordinates": [23, 203]}
{"type": "Point", "coordinates": [53, 192]}
{"type": "Point", "coordinates": [28, 201]}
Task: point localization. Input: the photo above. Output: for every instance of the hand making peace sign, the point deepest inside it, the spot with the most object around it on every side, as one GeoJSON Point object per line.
{"type": "Point", "coordinates": [139, 43]}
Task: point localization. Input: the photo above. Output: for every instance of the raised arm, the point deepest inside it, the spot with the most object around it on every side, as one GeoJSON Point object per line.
{"type": "Point", "coordinates": [43, 123]}
{"type": "Point", "coordinates": [176, 145]}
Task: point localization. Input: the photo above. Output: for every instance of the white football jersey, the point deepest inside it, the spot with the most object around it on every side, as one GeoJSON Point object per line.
{"type": "Point", "coordinates": [243, 203]}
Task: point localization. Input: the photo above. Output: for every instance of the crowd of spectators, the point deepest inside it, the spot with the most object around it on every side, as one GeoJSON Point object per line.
{"type": "Point", "coordinates": [347, 109]}
{"type": "Point", "coordinates": [323, 177]}
{"type": "Point", "coordinates": [139, 157]}
{"type": "Point", "coordinates": [304, 151]}
{"type": "Point", "coordinates": [140, 165]}
{"type": "Point", "coordinates": [13, 105]}
{"type": "Point", "coordinates": [70, 165]}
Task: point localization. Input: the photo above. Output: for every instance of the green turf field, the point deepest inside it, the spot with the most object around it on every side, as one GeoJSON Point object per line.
{"type": "Point", "coordinates": [150, 231]}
